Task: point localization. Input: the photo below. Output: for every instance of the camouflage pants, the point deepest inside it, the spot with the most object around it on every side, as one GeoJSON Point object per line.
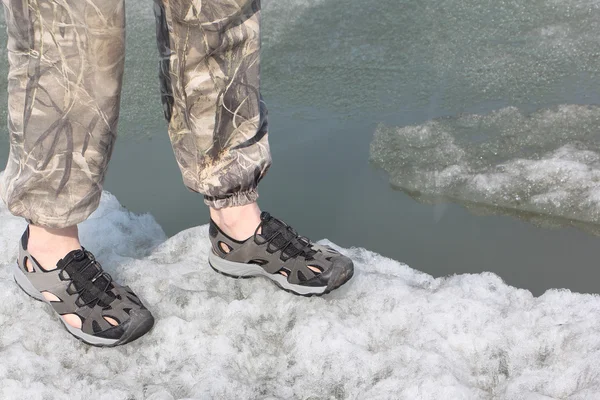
{"type": "Point", "coordinates": [66, 67]}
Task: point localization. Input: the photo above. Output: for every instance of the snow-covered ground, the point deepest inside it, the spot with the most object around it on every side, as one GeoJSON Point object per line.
{"type": "Point", "coordinates": [392, 332]}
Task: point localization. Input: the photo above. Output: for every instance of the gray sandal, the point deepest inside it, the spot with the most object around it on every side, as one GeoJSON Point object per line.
{"type": "Point", "coordinates": [110, 314]}
{"type": "Point", "coordinates": [293, 262]}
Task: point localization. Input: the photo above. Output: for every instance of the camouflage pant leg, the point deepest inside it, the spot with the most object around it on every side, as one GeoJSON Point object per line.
{"type": "Point", "coordinates": [66, 65]}
{"type": "Point", "coordinates": [210, 80]}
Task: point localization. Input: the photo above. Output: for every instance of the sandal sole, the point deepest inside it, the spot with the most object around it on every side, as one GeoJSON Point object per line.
{"type": "Point", "coordinates": [251, 271]}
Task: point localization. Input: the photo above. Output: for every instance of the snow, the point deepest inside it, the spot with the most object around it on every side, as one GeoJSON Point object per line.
{"type": "Point", "coordinates": [392, 332]}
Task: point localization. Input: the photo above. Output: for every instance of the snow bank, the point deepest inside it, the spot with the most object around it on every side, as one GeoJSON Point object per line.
{"type": "Point", "coordinates": [392, 332]}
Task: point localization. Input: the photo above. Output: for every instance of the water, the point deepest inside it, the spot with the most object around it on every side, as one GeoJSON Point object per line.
{"type": "Point", "coordinates": [336, 76]}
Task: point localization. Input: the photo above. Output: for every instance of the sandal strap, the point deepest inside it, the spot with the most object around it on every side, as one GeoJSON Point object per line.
{"type": "Point", "coordinates": [87, 278]}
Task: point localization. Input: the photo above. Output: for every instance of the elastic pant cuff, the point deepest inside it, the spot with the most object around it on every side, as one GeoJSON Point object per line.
{"type": "Point", "coordinates": [233, 200]}
{"type": "Point", "coordinates": [36, 218]}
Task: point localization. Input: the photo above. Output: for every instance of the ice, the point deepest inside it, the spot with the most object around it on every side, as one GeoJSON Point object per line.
{"type": "Point", "coordinates": [547, 162]}
{"type": "Point", "coordinates": [421, 55]}
{"type": "Point", "coordinates": [392, 332]}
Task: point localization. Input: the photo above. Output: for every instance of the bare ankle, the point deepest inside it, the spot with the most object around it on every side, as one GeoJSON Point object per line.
{"type": "Point", "coordinates": [238, 222]}
{"type": "Point", "coordinates": [49, 245]}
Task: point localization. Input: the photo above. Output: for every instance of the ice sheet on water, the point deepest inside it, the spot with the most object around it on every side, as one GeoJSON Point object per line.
{"type": "Point", "coordinates": [415, 54]}
{"type": "Point", "coordinates": [392, 332]}
{"type": "Point", "coordinates": [547, 162]}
